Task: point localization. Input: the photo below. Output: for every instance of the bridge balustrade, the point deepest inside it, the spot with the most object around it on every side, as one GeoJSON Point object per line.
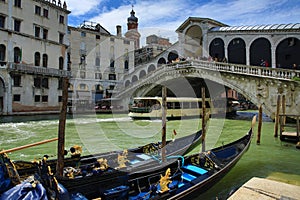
{"type": "Point", "coordinates": [25, 68]}
{"type": "Point", "coordinates": [275, 73]}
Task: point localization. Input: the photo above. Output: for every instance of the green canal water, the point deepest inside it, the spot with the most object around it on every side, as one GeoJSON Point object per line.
{"type": "Point", "coordinates": [271, 159]}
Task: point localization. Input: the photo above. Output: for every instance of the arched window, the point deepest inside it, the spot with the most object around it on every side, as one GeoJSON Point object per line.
{"type": "Point", "coordinates": [97, 61]}
{"type": "Point", "coordinates": [126, 65]}
{"type": "Point", "coordinates": [112, 63]}
{"type": "Point", "coordinates": [2, 52]}
{"type": "Point", "coordinates": [17, 55]}
{"type": "Point", "coordinates": [45, 60]}
{"type": "Point", "coordinates": [61, 63]}
{"type": "Point", "coordinates": [37, 59]}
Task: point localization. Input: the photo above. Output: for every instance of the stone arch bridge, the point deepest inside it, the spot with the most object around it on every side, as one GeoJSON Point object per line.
{"type": "Point", "coordinates": [260, 85]}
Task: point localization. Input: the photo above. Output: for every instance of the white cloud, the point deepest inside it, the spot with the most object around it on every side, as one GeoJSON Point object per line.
{"type": "Point", "coordinates": [81, 7]}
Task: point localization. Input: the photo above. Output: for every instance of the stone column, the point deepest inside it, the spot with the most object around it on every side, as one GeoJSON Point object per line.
{"type": "Point", "coordinates": [247, 54]}
{"type": "Point", "coordinates": [273, 56]}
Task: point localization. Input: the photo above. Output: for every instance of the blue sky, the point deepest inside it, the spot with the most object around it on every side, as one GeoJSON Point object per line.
{"type": "Point", "coordinates": [163, 17]}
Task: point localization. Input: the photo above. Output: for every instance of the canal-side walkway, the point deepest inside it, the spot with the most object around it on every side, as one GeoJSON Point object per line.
{"type": "Point", "coordinates": [265, 189]}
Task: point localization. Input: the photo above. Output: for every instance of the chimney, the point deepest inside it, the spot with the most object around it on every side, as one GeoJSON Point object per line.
{"type": "Point", "coordinates": [119, 31]}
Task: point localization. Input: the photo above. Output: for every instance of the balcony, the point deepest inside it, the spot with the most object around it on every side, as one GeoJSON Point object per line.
{"type": "Point", "coordinates": [29, 69]}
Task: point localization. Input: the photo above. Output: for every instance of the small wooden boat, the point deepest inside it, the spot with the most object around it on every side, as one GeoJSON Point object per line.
{"type": "Point", "coordinates": [140, 154]}
{"type": "Point", "coordinates": [177, 178]}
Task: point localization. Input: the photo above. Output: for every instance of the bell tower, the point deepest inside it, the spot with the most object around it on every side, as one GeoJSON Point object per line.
{"type": "Point", "coordinates": [132, 29]}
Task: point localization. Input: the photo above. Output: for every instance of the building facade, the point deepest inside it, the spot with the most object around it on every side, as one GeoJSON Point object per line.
{"type": "Point", "coordinates": [155, 45]}
{"type": "Point", "coordinates": [272, 45]}
{"type": "Point", "coordinates": [98, 61]}
{"type": "Point", "coordinates": [32, 55]}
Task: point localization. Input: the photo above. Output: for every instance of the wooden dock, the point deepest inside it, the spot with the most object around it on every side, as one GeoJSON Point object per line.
{"type": "Point", "coordinates": [265, 189]}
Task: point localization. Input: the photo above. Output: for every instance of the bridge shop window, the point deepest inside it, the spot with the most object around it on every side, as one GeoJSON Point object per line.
{"type": "Point", "coordinates": [16, 78]}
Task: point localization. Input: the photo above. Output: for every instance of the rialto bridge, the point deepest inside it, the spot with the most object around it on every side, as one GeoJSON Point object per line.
{"type": "Point", "coordinates": [260, 62]}
{"type": "Point", "coordinates": [260, 85]}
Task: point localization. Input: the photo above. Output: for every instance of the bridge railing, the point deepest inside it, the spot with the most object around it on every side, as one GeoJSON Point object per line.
{"type": "Point", "coordinates": [277, 73]}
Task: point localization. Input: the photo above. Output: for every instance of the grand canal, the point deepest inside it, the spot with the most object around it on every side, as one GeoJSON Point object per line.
{"type": "Point", "coordinates": [271, 159]}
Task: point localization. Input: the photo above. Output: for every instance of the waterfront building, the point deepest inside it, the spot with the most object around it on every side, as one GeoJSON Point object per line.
{"type": "Point", "coordinates": [154, 46]}
{"type": "Point", "coordinates": [32, 55]}
{"type": "Point", "coordinates": [98, 61]}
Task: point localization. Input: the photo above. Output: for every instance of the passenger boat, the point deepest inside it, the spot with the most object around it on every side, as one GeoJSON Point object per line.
{"type": "Point", "coordinates": [177, 107]}
{"type": "Point", "coordinates": [178, 146]}
{"type": "Point", "coordinates": [176, 178]}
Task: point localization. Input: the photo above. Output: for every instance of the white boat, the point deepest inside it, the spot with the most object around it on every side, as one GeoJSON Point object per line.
{"type": "Point", "coordinates": [177, 107]}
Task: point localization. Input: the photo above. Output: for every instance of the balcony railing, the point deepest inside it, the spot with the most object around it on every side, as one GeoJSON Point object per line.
{"type": "Point", "coordinates": [29, 69]}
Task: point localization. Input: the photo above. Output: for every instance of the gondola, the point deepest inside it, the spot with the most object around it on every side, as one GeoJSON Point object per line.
{"type": "Point", "coordinates": [141, 154]}
{"type": "Point", "coordinates": [177, 178]}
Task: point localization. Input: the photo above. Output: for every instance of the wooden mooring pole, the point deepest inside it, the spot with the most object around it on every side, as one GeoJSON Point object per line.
{"type": "Point", "coordinates": [61, 129]}
{"type": "Point", "coordinates": [277, 116]}
{"type": "Point", "coordinates": [164, 125]}
{"type": "Point", "coordinates": [203, 118]}
{"type": "Point", "coordinates": [283, 106]}
{"type": "Point", "coordinates": [259, 124]}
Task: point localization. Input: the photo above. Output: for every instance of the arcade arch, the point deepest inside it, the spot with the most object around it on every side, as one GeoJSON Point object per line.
{"type": "Point", "coordinates": [260, 50]}
{"type": "Point", "coordinates": [134, 78]}
{"type": "Point", "coordinates": [142, 74]}
{"type": "Point", "coordinates": [237, 51]}
{"type": "Point", "coordinates": [193, 42]}
{"type": "Point", "coordinates": [216, 49]}
{"type": "Point", "coordinates": [161, 61]}
{"type": "Point", "coordinates": [173, 55]}
{"type": "Point", "coordinates": [287, 53]}
{"type": "Point", "coordinates": [151, 68]}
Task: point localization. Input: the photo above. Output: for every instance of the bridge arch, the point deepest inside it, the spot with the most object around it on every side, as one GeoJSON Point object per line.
{"type": "Point", "coordinates": [237, 51]}
{"type": "Point", "coordinates": [134, 78]}
{"type": "Point", "coordinates": [151, 68]}
{"type": "Point", "coordinates": [260, 49]}
{"type": "Point", "coordinates": [142, 74]}
{"type": "Point", "coordinates": [193, 40]}
{"type": "Point", "coordinates": [216, 49]}
{"type": "Point", "coordinates": [127, 83]}
{"type": "Point", "coordinates": [161, 61]}
{"type": "Point", "coordinates": [287, 53]}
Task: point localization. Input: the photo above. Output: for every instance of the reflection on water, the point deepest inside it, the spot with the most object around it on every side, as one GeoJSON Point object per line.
{"type": "Point", "coordinates": [244, 115]}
